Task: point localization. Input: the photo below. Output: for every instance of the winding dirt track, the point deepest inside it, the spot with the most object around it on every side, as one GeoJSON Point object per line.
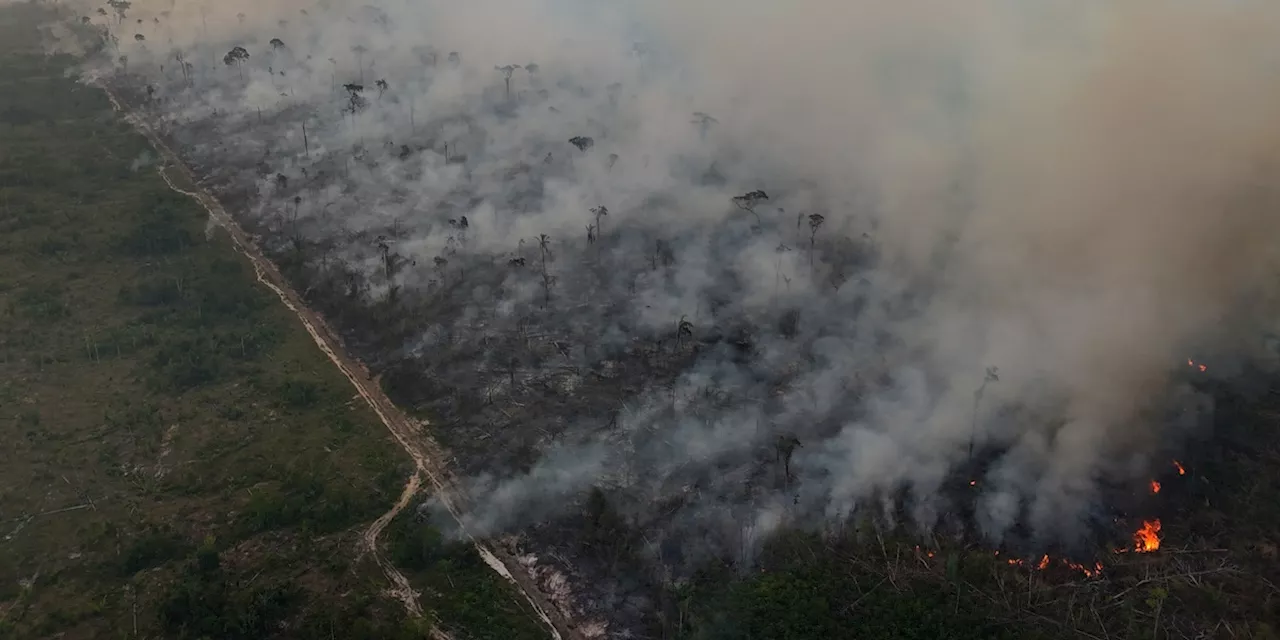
{"type": "Point", "coordinates": [427, 455]}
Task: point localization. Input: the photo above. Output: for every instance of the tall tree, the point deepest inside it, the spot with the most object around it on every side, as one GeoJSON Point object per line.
{"type": "Point", "coordinates": [236, 56]}
{"type": "Point", "coordinates": [992, 375]}
{"type": "Point", "coordinates": [600, 212]}
{"type": "Point", "coordinates": [507, 71]}
{"type": "Point", "coordinates": [815, 221]}
{"type": "Point", "coordinates": [544, 248]}
{"type": "Point", "coordinates": [360, 50]}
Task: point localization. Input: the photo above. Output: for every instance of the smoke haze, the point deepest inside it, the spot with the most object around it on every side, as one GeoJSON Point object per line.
{"type": "Point", "coordinates": [1079, 194]}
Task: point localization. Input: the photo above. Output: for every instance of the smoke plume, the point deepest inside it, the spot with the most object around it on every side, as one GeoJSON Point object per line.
{"type": "Point", "coordinates": [993, 232]}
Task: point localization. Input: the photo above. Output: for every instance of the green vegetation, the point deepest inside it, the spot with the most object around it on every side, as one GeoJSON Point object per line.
{"type": "Point", "coordinates": [457, 588]}
{"type": "Point", "coordinates": [180, 460]}
{"type": "Point", "coordinates": [803, 588]}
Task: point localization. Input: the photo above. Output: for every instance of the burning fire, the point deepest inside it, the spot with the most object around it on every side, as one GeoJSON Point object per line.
{"type": "Point", "coordinates": [1089, 571]}
{"type": "Point", "coordinates": [1147, 538]}
{"type": "Point", "coordinates": [1178, 465]}
{"type": "Point", "coordinates": [1194, 364]}
{"type": "Point", "coordinates": [1155, 487]}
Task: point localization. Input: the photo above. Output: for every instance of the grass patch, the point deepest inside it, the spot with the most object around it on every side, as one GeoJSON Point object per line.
{"type": "Point", "coordinates": [181, 460]}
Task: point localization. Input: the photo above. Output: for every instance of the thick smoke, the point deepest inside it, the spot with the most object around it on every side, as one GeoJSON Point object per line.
{"type": "Point", "coordinates": [1031, 214]}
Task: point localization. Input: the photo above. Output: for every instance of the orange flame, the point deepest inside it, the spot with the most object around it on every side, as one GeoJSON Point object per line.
{"type": "Point", "coordinates": [1155, 487]}
{"type": "Point", "coordinates": [973, 483]}
{"type": "Point", "coordinates": [1044, 563]}
{"type": "Point", "coordinates": [1178, 465]}
{"type": "Point", "coordinates": [1147, 538]}
{"type": "Point", "coordinates": [1192, 363]}
{"type": "Point", "coordinates": [1089, 572]}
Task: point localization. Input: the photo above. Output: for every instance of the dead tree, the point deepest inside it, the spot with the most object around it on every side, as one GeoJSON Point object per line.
{"type": "Point", "coordinates": [704, 123]}
{"type": "Point", "coordinates": [507, 71]}
{"type": "Point", "coordinates": [749, 201]}
{"type": "Point", "coordinates": [391, 264]}
{"type": "Point", "coordinates": [359, 50]}
{"type": "Point", "coordinates": [600, 212]}
{"type": "Point", "coordinates": [815, 221]}
{"type": "Point", "coordinates": [785, 448]}
{"type": "Point", "coordinates": [992, 375]}
{"type": "Point", "coordinates": [442, 264]}
{"type": "Point", "coordinates": [544, 249]}
{"type": "Point", "coordinates": [777, 269]}
{"type": "Point", "coordinates": [684, 328]}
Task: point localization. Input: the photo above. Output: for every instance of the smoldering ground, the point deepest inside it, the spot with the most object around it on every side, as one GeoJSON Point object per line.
{"type": "Point", "coordinates": [996, 228]}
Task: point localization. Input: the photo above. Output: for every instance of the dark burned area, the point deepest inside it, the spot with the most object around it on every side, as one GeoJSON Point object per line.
{"type": "Point", "coordinates": [508, 360]}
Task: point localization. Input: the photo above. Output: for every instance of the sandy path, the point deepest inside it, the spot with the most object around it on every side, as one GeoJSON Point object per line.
{"type": "Point", "coordinates": [427, 455]}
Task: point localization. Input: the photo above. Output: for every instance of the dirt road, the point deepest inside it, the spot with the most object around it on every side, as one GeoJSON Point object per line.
{"type": "Point", "coordinates": [427, 455]}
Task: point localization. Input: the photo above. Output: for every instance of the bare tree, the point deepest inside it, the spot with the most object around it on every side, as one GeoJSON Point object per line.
{"type": "Point", "coordinates": [293, 223]}
{"type": "Point", "coordinates": [992, 375]}
{"type": "Point", "coordinates": [749, 201]}
{"type": "Point", "coordinates": [684, 328]}
{"type": "Point", "coordinates": [182, 66]}
{"type": "Point", "coordinates": [277, 43]}
{"type": "Point", "coordinates": [777, 269]}
{"type": "Point", "coordinates": [360, 50]}
{"type": "Point", "coordinates": [703, 122]}
{"type": "Point", "coordinates": [786, 447]}
{"type": "Point", "coordinates": [442, 264]}
{"type": "Point", "coordinates": [391, 264]}
{"type": "Point", "coordinates": [815, 221]}
{"type": "Point", "coordinates": [600, 212]}
{"type": "Point", "coordinates": [426, 55]}
{"type": "Point", "coordinates": [544, 248]}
